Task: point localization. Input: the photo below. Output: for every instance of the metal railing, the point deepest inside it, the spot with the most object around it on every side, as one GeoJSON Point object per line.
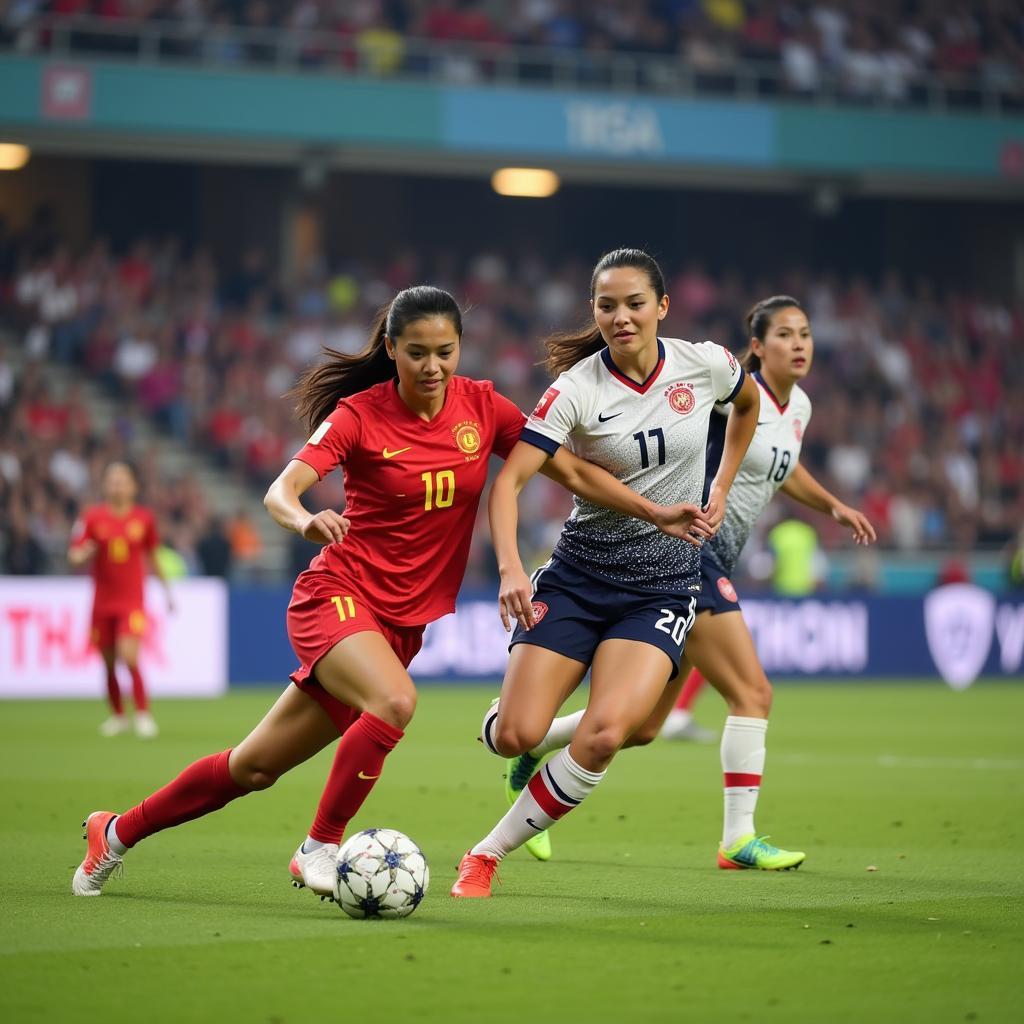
{"type": "Point", "coordinates": [225, 46]}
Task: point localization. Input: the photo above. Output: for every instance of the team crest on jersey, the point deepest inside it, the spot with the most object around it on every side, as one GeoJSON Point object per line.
{"type": "Point", "coordinates": [798, 430]}
{"type": "Point", "coordinates": [681, 398]}
{"type": "Point", "coordinates": [731, 358]}
{"type": "Point", "coordinates": [540, 609]}
{"type": "Point", "coordinates": [726, 589]}
{"type": "Point", "coordinates": [467, 439]}
{"type": "Point", "coordinates": [135, 530]}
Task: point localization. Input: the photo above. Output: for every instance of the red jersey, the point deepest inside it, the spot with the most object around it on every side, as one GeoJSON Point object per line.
{"type": "Point", "coordinates": [118, 568]}
{"type": "Point", "coordinates": [412, 489]}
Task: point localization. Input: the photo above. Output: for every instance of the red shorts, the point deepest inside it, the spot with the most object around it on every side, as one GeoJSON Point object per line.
{"type": "Point", "coordinates": [108, 626]}
{"type": "Point", "coordinates": [324, 610]}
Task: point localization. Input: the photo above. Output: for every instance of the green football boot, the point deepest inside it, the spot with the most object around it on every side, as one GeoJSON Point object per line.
{"type": "Point", "coordinates": [751, 851]}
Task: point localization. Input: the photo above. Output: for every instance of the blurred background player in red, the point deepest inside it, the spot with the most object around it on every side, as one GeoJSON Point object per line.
{"type": "Point", "coordinates": [413, 440]}
{"type": "Point", "coordinates": [118, 537]}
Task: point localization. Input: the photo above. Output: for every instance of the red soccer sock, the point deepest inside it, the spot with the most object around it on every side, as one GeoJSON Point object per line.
{"type": "Point", "coordinates": [202, 787]}
{"type": "Point", "coordinates": [695, 682]}
{"type": "Point", "coordinates": [358, 763]}
{"type": "Point", "coordinates": [139, 691]}
{"type": "Point", "coordinates": [114, 692]}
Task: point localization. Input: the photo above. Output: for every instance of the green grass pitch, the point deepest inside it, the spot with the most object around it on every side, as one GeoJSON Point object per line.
{"type": "Point", "coordinates": [907, 799]}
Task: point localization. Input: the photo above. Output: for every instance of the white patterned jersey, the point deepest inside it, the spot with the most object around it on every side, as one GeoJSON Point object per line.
{"type": "Point", "coordinates": [651, 436]}
{"type": "Point", "coordinates": [770, 459]}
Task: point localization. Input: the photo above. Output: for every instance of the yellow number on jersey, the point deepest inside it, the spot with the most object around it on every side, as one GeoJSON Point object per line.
{"type": "Point", "coordinates": [346, 607]}
{"type": "Point", "coordinates": [117, 549]}
{"type": "Point", "coordinates": [440, 488]}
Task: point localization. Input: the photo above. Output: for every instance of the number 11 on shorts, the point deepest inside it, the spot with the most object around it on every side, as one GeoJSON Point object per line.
{"type": "Point", "coordinates": [346, 607]}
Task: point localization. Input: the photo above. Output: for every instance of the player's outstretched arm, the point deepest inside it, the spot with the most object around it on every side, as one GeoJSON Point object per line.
{"type": "Point", "coordinates": [515, 594]}
{"type": "Point", "coordinates": [802, 487]}
{"type": "Point", "coordinates": [739, 432]}
{"type": "Point", "coordinates": [598, 485]}
{"type": "Point", "coordinates": [282, 502]}
{"type": "Point", "coordinates": [81, 551]}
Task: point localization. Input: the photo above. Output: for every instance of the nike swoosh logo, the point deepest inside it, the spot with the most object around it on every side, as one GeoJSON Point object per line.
{"type": "Point", "coordinates": [533, 824]}
{"type": "Point", "coordinates": [388, 454]}
{"type": "Point", "coordinates": [369, 778]}
{"type": "Point", "coordinates": [605, 419]}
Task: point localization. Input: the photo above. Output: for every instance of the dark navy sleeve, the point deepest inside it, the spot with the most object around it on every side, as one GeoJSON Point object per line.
{"type": "Point", "coordinates": [713, 453]}
{"type": "Point", "coordinates": [739, 384]}
{"type": "Point", "coordinates": [539, 440]}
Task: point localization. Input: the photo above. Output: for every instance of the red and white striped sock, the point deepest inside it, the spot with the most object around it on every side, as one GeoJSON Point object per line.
{"type": "Point", "coordinates": [743, 754]}
{"type": "Point", "coordinates": [552, 793]}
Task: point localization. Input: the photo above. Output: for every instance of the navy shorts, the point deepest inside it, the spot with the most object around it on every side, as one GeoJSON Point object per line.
{"type": "Point", "coordinates": [576, 611]}
{"type": "Point", "coordinates": [717, 594]}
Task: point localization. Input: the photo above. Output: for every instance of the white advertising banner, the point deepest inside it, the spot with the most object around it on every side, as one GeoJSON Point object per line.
{"type": "Point", "coordinates": [45, 650]}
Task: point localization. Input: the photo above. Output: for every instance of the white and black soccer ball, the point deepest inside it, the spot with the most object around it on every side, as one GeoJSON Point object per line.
{"type": "Point", "coordinates": [381, 873]}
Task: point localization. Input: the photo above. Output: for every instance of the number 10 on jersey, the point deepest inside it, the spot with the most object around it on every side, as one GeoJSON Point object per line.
{"type": "Point", "coordinates": [439, 488]}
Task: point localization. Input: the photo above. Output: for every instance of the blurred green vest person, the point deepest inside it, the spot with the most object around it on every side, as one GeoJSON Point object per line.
{"type": "Point", "coordinates": [173, 565]}
{"type": "Point", "coordinates": [795, 545]}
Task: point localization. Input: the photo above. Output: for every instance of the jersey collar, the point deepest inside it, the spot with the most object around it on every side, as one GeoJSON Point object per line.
{"type": "Point", "coordinates": [640, 389]}
{"type": "Point", "coordinates": [768, 391]}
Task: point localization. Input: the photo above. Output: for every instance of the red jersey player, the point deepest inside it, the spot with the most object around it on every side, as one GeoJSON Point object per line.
{"type": "Point", "coordinates": [118, 536]}
{"type": "Point", "coordinates": [413, 440]}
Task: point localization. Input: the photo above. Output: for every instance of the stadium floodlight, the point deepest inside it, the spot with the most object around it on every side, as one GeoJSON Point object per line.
{"type": "Point", "coordinates": [13, 156]}
{"type": "Point", "coordinates": [530, 182]}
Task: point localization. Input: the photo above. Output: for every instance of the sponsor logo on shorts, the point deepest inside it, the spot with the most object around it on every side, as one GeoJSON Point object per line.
{"type": "Point", "coordinates": [726, 589]}
{"type": "Point", "coordinates": [540, 609]}
{"type": "Point", "coordinates": [681, 398]}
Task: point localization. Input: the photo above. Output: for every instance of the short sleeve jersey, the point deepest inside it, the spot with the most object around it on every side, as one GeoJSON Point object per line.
{"type": "Point", "coordinates": [412, 489]}
{"type": "Point", "coordinates": [119, 568]}
{"type": "Point", "coordinates": [651, 436]}
{"type": "Point", "coordinates": [772, 456]}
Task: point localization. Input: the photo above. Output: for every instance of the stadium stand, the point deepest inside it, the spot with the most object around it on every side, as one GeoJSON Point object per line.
{"type": "Point", "coordinates": [868, 51]}
{"type": "Point", "coordinates": [912, 388]}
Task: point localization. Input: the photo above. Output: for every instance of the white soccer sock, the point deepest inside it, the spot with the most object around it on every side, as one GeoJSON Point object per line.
{"type": "Point", "coordinates": [559, 735]}
{"type": "Point", "coordinates": [553, 791]}
{"type": "Point", "coordinates": [743, 754]}
{"type": "Point", "coordinates": [487, 728]}
{"type": "Point", "coordinates": [115, 844]}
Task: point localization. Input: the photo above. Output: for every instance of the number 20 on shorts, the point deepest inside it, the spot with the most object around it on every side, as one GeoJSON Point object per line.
{"type": "Point", "coordinates": [440, 489]}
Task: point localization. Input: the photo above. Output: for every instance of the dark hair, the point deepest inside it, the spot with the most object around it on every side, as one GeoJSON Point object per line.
{"type": "Point", "coordinates": [759, 320]}
{"type": "Point", "coordinates": [128, 464]}
{"type": "Point", "coordinates": [567, 348]}
{"type": "Point", "coordinates": [320, 389]}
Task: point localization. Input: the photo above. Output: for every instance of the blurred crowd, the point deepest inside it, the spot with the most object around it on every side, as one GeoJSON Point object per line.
{"type": "Point", "coordinates": [915, 419]}
{"type": "Point", "coordinates": [864, 50]}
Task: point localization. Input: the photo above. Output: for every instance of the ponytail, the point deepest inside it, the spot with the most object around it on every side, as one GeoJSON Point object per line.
{"type": "Point", "coordinates": [320, 388]}
{"type": "Point", "coordinates": [566, 349]}
{"type": "Point", "coordinates": [759, 320]}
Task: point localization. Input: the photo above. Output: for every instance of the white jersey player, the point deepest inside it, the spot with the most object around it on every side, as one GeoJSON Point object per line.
{"type": "Point", "coordinates": [720, 645]}
{"type": "Point", "coordinates": [771, 459]}
{"type": "Point", "coordinates": [617, 597]}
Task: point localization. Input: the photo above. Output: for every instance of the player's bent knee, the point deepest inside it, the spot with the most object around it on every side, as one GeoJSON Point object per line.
{"type": "Point", "coordinates": [396, 708]}
{"type": "Point", "coordinates": [605, 742]}
{"type": "Point", "coordinates": [643, 737]}
{"type": "Point", "coordinates": [512, 739]}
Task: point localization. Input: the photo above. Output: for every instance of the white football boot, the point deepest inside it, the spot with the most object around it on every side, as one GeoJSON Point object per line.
{"type": "Point", "coordinates": [145, 726]}
{"type": "Point", "coordinates": [316, 871]}
{"type": "Point", "coordinates": [115, 725]}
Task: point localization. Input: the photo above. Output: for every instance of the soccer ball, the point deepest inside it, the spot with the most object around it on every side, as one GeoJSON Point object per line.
{"type": "Point", "coordinates": [381, 873]}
